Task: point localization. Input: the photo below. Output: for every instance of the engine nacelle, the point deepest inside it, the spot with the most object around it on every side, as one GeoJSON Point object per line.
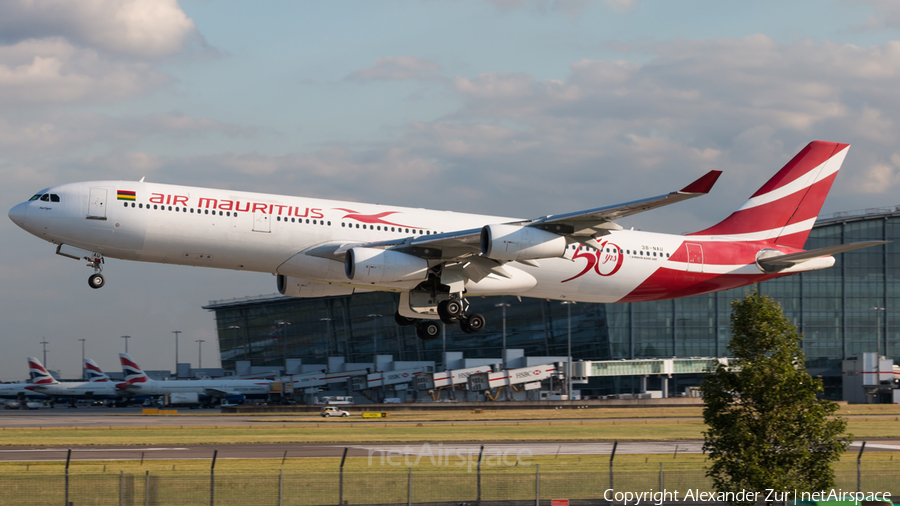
{"type": "Point", "coordinates": [372, 265]}
{"type": "Point", "coordinates": [303, 288]}
{"type": "Point", "coordinates": [512, 242]}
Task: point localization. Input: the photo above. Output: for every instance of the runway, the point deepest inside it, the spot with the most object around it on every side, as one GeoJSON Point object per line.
{"type": "Point", "coordinates": [376, 451]}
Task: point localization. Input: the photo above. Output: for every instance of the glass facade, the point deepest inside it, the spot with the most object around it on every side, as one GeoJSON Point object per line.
{"type": "Point", "coordinates": [851, 308]}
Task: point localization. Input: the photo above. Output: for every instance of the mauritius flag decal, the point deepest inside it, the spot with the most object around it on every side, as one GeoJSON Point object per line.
{"type": "Point", "coordinates": [125, 195]}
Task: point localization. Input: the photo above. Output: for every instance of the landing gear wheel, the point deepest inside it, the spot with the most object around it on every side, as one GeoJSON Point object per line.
{"type": "Point", "coordinates": [96, 280]}
{"type": "Point", "coordinates": [445, 315]}
{"type": "Point", "coordinates": [404, 321]}
{"type": "Point", "coordinates": [464, 326]}
{"type": "Point", "coordinates": [450, 310]}
{"type": "Point", "coordinates": [475, 323]}
{"type": "Point", "coordinates": [427, 330]}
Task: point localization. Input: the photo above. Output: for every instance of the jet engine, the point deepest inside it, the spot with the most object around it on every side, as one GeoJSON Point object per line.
{"type": "Point", "coordinates": [372, 265]}
{"type": "Point", "coordinates": [302, 288]}
{"type": "Point", "coordinates": [512, 242]}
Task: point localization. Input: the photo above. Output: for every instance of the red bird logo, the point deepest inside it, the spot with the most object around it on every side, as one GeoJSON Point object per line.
{"type": "Point", "coordinates": [372, 218]}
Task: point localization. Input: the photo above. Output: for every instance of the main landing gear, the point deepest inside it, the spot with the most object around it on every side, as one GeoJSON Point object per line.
{"type": "Point", "coordinates": [450, 311]}
{"type": "Point", "coordinates": [96, 280]}
{"type": "Point", "coordinates": [454, 310]}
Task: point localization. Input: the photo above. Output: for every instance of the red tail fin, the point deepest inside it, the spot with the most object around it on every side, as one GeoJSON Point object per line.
{"type": "Point", "coordinates": [785, 208]}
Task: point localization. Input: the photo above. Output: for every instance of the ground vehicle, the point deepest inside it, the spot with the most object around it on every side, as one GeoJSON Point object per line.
{"type": "Point", "coordinates": [12, 405]}
{"type": "Point", "coordinates": [392, 400]}
{"type": "Point", "coordinates": [329, 411]}
{"type": "Point", "coordinates": [189, 399]}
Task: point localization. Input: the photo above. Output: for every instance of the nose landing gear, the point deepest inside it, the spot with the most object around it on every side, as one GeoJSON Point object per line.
{"type": "Point", "coordinates": [96, 280]}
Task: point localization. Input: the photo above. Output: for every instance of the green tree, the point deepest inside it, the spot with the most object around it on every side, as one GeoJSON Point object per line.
{"type": "Point", "coordinates": [767, 427]}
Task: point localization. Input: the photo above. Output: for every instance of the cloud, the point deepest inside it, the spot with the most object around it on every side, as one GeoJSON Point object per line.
{"type": "Point", "coordinates": [141, 28]}
{"type": "Point", "coordinates": [53, 71]}
{"type": "Point", "coordinates": [571, 8]}
{"type": "Point", "coordinates": [743, 105]}
{"type": "Point", "coordinates": [398, 68]}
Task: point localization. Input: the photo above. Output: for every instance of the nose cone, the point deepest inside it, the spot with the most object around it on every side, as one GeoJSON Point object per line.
{"type": "Point", "coordinates": [19, 214]}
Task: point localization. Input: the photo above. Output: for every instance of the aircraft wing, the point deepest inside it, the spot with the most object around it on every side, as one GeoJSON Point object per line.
{"type": "Point", "coordinates": [580, 226]}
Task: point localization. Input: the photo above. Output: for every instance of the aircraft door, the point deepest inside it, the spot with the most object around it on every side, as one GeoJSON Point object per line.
{"type": "Point", "coordinates": [97, 204]}
{"type": "Point", "coordinates": [695, 257]}
{"type": "Point", "coordinates": [261, 222]}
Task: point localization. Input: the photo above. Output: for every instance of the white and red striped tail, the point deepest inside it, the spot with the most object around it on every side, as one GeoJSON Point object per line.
{"type": "Point", "coordinates": [93, 372]}
{"type": "Point", "coordinates": [784, 210]}
{"type": "Point", "coordinates": [39, 375]}
{"type": "Point", "coordinates": [133, 372]}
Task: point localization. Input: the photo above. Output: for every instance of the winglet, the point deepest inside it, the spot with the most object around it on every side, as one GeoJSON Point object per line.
{"type": "Point", "coordinates": [704, 184]}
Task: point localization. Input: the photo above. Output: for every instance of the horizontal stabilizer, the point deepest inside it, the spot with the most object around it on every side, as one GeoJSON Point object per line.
{"type": "Point", "coordinates": [780, 262]}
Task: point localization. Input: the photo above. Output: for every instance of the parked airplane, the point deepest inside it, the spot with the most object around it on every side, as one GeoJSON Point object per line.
{"type": "Point", "coordinates": [19, 391]}
{"type": "Point", "coordinates": [93, 373]}
{"type": "Point", "coordinates": [435, 259]}
{"type": "Point", "coordinates": [99, 388]}
{"type": "Point", "coordinates": [137, 382]}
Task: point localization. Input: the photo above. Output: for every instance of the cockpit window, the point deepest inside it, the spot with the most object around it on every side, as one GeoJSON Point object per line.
{"type": "Point", "coordinates": [54, 197]}
{"type": "Point", "coordinates": [45, 197]}
{"type": "Point", "coordinates": [35, 197]}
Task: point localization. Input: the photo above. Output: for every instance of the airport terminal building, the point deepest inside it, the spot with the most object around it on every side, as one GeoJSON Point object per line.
{"type": "Point", "coordinates": [842, 312]}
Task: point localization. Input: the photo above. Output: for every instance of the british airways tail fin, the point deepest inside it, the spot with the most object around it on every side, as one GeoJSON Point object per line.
{"type": "Point", "coordinates": [784, 209]}
{"type": "Point", "coordinates": [93, 373]}
{"type": "Point", "coordinates": [133, 372]}
{"type": "Point", "coordinates": [39, 375]}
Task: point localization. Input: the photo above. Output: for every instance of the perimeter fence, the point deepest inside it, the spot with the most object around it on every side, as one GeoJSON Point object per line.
{"type": "Point", "coordinates": [512, 486]}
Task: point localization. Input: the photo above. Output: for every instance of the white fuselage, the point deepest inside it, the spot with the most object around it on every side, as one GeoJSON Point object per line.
{"type": "Point", "coordinates": [214, 387]}
{"type": "Point", "coordinates": [96, 390]}
{"type": "Point", "coordinates": [273, 233]}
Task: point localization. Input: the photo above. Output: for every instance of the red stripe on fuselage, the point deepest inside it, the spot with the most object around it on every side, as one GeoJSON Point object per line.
{"type": "Point", "coordinates": [727, 253]}
{"type": "Point", "coordinates": [672, 284]}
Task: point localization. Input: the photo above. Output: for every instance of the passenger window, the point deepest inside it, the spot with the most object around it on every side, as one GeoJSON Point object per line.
{"type": "Point", "coordinates": [343, 224]}
{"type": "Point", "coordinates": [132, 204]}
{"type": "Point", "coordinates": [357, 225]}
{"type": "Point", "coordinates": [154, 206]}
{"type": "Point", "coordinates": [329, 223]}
{"type": "Point", "coordinates": [293, 220]}
{"type": "Point", "coordinates": [54, 197]}
{"type": "Point", "coordinates": [45, 198]}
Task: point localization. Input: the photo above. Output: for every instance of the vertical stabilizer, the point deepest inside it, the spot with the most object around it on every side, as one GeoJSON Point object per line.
{"type": "Point", "coordinates": [93, 373]}
{"type": "Point", "coordinates": [39, 374]}
{"type": "Point", "coordinates": [133, 372]}
{"type": "Point", "coordinates": [784, 209]}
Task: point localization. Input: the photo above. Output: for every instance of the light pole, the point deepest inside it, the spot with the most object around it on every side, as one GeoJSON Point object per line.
{"type": "Point", "coordinates": [126, 338]}
{"type": "Point", "coordinates": [83, 376]}
{"type": "Point", "coordinates": [503, 305]}
{"type": "Point", "coordinates": [374, 317]}
{"type": "Point", "coordinates": [568, 304]}
{"type": "Point", "coordinates": [284, 326]}
{"type": "Point", "coordinates": [327, 336]}
{"type": "Point", "coordinates": [45, 343]}
{"type": "Point", "coordinates": [200, 353]}
{"type": "Point", "coordinates": [878, 333]}
{"type": "Point", "coordinates": [176, 332]}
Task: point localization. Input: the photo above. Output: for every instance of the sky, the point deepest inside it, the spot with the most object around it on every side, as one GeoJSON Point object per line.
{"type": "Point", "coordinates": [509, 107]}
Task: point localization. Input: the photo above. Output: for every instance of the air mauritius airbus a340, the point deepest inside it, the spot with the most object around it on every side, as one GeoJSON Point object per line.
{"type": "Point", "coordinates": [435, 259]}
